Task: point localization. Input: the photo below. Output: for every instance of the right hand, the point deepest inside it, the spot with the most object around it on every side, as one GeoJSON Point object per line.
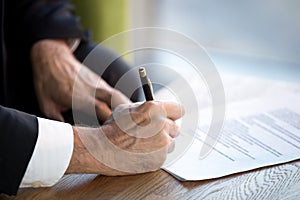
{"type": "Point", "coordinates": [135, 139]}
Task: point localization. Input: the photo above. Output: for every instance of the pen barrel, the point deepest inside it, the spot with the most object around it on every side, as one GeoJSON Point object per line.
{"type": "Point", "coordinates": [147, 87]}
{"type": "Point", "coordinates": [148, 93]}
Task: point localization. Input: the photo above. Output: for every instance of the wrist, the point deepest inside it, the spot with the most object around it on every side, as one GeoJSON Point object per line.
{"type": "Point", "coordinates": [44, 44]}
{"type": "Point", "coordinates": [70, 43]}
{"type": "Point", "coordinates": [82, 162]}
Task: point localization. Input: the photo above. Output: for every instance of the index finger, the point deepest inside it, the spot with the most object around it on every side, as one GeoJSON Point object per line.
{"type": "Point", "coordinates": [173, 110]}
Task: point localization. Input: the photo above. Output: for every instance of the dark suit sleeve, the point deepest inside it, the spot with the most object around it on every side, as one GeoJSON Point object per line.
{"type": "Point", "coordinates": [18, 136]}
{"type": "Point", "coordinates": [42, 19]}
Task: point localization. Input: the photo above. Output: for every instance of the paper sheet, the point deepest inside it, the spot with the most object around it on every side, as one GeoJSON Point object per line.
{"type": "Point", "coordinates": [262, 128]}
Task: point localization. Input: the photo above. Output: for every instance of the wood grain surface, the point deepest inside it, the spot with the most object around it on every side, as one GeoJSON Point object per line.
{"type": "Point", "coordinates": [276, 182]}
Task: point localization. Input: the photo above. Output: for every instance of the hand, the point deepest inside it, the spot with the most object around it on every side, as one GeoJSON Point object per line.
{"type": "Point", "coordinates": [136, 139]}
{"type": "Point", "coordinates": [55, 70]}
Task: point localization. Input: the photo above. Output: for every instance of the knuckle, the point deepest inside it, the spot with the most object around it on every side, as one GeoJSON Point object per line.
{"type": "Point", "coordinates": [174, 126]}
{"type": "Point", "coordinates": [171, 147]}
{"type": "Point", "coordinates": [176, 129]}
{"type": "Point", "coordinates": [153, 107]}
{"type": "Point", "coordinates": [164, 139]}
{"type": "Point", "coordinates": [148, 105]}
{"type": "Point", "coordinates": [163, 125]}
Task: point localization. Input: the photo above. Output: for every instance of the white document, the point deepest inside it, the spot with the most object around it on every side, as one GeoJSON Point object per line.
{"type": "Point", "coordinates": [260, 130]}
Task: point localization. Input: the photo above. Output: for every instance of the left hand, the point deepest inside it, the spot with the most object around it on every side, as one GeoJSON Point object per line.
{"type": "Point", "coordinates": [55, 70]}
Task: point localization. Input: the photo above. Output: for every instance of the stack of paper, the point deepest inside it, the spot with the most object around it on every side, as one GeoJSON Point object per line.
{"type": "Point", "coordinates": [262, 128]}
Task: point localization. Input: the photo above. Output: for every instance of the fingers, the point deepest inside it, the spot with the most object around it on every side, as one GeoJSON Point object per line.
{"type": "Point", "coordinates": [158, 130]}
{"type": "Point", "coordinates": [170, 110]}
{"type": "Point", "coordinates": [173, 110]}
{"type": "Point", "coordinates": [149, 118]}
{"type": "Point", "coordinates": [118, 98]}
{"type": "Point", "coordinates": [167, 142]}
{"type": "Point", "coordinates": [102, 110]}
{"type": "Point", "coordinates": [93, 106]}
{"type": "Point", "coordinates": [172, 128]}
{"type": "Point", "coordinates": [104, 95]}
{"type": "Point", "coordinates": [111, 97]}
{"type": "Point", "coordinates": [171, 146]}
{"type": "Point", "coordinates": [171, 131]}
{"type": "Point", "coordinates": [100, 91]}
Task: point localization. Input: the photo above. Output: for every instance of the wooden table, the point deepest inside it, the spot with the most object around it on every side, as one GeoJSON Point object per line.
{"type": "Point", "coordinates": [276, 182]}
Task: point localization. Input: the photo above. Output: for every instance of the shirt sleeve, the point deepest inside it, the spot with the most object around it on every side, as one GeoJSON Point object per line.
{"type": "Point", "coordinates": [51, 156]}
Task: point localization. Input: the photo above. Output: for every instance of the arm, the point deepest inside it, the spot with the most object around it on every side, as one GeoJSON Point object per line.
{"type": "Point", "coordinates": [144, 132]}
{"type": "Point", "coordinates": [18, 135]}
{"type": "Point", "coordinates": [46, 19]}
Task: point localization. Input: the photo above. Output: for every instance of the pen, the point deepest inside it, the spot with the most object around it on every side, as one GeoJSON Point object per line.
{"type": "Point", "coordinates": [147, 85]}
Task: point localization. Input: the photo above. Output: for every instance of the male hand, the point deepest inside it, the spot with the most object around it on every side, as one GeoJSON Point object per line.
{"type": "Point", "coordinates": [135, 139]}
{"type": "Point", "coordinates": [55, 70]}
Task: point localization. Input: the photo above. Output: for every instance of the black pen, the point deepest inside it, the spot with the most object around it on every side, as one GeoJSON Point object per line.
{"type": "Point", "coordinates": [147, 85]}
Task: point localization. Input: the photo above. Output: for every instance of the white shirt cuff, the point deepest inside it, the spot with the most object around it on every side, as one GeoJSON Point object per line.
{"type": "Point", "coordinates": [51, 156]}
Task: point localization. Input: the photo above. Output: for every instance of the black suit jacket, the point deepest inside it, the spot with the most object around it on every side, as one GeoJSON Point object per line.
{"type": "Point", "coordinates": [18, 136]}
{"type": "Point", "coordinates": [24, 22]}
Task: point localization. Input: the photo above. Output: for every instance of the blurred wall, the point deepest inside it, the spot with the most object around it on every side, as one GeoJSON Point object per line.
{"type": "Point", "coordinates": [104, 17]}
{"type": "Point", "coordinates": [269, 28]}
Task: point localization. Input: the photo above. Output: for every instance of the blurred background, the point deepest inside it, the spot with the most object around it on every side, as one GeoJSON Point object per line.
{"type": "Point", "coordinates": [260, 38]}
